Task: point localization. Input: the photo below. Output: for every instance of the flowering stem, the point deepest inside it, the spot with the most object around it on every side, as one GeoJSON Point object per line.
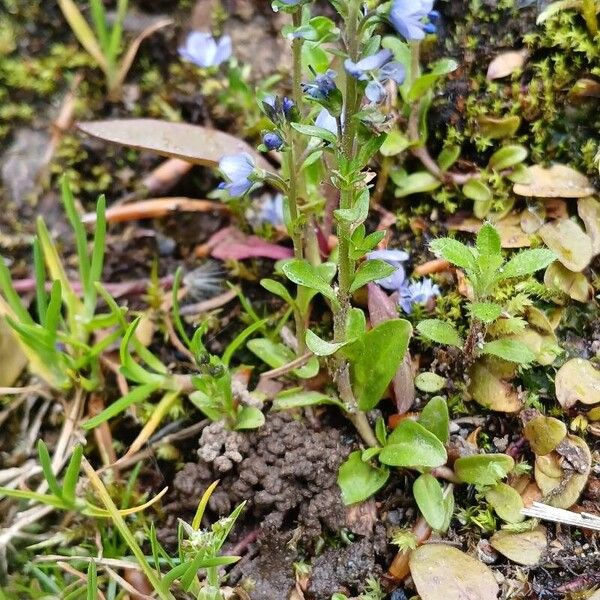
{"type": "Point", "coordinates": [346, 134]}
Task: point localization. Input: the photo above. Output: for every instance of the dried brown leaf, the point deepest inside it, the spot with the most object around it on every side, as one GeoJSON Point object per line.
{"type": "Point", "coordinates": [557, 181]}
{"type": "Point", "coordinates": [506, 63]}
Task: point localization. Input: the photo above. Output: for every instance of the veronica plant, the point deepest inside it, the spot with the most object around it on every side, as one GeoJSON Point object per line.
{"type": "Point", "coordinates": [485, 269]}
{"type": "Point", "coordinates": [63, 350]}
{"type": "Point", "coordinates": [103, 41]}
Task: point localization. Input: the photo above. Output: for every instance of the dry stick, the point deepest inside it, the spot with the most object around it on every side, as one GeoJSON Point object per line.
{"type": "Point", "coordinates": [294, 364]}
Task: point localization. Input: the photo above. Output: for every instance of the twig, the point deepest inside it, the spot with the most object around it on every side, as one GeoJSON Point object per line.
{"type": "Point", "coordinates": [560, 515]}
{"type": "Point", "coordinates": [127, 586]}
{"type": "Point", "coordinates": [294, 364]}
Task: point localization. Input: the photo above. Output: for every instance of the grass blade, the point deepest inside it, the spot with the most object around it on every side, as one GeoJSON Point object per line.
{"type": "Point", "coordinates": [47, 469]}
{"type": "Point", "coordinates": [92, 582]}
{"type": "Point", "coordinates": [135, 396]}
{"type": "Point", "coordinates": [80, 235]}
{"type": "Point", "coordinates": [72, 475]}
{"type": "Point", "coordinates": [97, 261]}
{"type": "Point", "coordinates": [41, 298]}
{"type": "Point", "coordinates": [98, 14]}
{"type": "Point", "coordinates": [125, 532]}
{"type": "Point", "coordinates": [83, 33]}
{"type": "Point", "coordinates": [12, 298]}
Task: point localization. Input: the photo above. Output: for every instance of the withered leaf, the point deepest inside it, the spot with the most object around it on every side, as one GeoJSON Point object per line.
{"type": "Point", "coordinates": [525, 548]}
{"type": "Point", "coordinates": [196, 144]}
{"type": "Point", "coordinates": [589, 211]}
{"type": "Point", "coordinates": [577, 381]}
{"type": "Point", "coordinates": [441, 572]}
{"type": "Point", "coordinates": [567, 240]}
{"type": "Point", "coordinates": [556, 181]}
{"type": "Point", "coordinates": [506, 63]}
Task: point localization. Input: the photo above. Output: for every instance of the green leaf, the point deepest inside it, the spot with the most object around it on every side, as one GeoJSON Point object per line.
{"type": "Point", "coordinates": [507, 502]}
{"type": "Point", "coordinates": [476, 190]}
{"type": "Point", "coordinates": [440, 332]}
{"type": "Point", "coordinates": [299, 398]}
{"type": "Point", "coordinates": [435, 418]}
{"type": "Point", "coordinates": [278, 355]}
{"type": "Point", "coordinates": [375, 358]}
{"type": "Point", "coordinates": [487, 312]}
{"type": "Point", "coordinates": [411, 445]}
{"type": "Point", "coordinates": [313, 131]}
{"type": "Point", "coordinates": [359, 480]}
{"type": "Point", "coordinates": [301, 272]}
{"type": "Point", "coordinates": [356, 324]}
{"type": "Point", "coordinates": [429, 497]}
{"type": "Point", "coordinates": [483, 469]}
{"type": "Point", "coordinates": [488, 241]}
{"type": "Point", "coordinates": [424, 83]}
{"type": "Point", "coordinates": [417, 183]}
{"type": "Point", "coordinates": [92, 581]}
{"type": "Point", "coordinates": [134, 396]}
{"type": "Point", "coordinates": [72, 475]}
{"type": "Point", "coordinates": [395, 142]}
{"type": "Point", "coordinates": [448, 156]}
{"type": "Point", "coordinates": [321, 347]}
{"type": "Point", "coordinates": [46, 464]}
{"type": "Point", "coordinates": [454, 252]}
{"type": "Point", "coordinates": [429, 382]}
{"type": "Point", "coordinates": [511, 350]}
{"type": "Point", "coordinates": [371, 270]}
{"type": "Point", "coordinates": [507, 157]}
{"type": "Point", "coordinates": [526, 263]}
{"type": "Point", "coordinates": [239, 339]}
{"type": "Point", "coordinates": [249, 417]}
{"type": "Point", "coordinates": [358, 213]}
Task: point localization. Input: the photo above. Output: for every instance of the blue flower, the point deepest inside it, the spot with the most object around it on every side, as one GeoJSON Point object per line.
{"type": "Point", "coordinates": [394, 258]}
{"type": "Point", "coordinates": [271, 211]}
{"type": "Point", "coordinates": [381, 70]}
{"type": "Point", "coordinates": [272, 140]}
{"type": "Point", "coordinates": [322, 86]}
{"type": "Point", "coordinates": [237, 169]}
{"type": "Point", "coordinates": [407, 17]}
{"type": "Point", "coordinates": [203, 50]}
{"type": "Point", "coordinates": [418, 292]}
{"type": "Point", "coordinates": [325, 120]}
{"type": "Point", "coordinates": [359, 69]}
{"type": "Point", "coordinates": [279, 109]}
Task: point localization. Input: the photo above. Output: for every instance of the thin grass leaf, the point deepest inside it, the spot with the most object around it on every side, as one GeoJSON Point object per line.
{"type": "Point", "coordinates": [83, 33]}
{"type": "Point", "coordinates": [129, 367]}
{"type": "Point", "coordinates": [12, 298]}
{"type": "Point", "coordinates": [116, 34]}
{"type": "Point", "coordinates": [125, 532]}
{"type": "Point", "coordinates": [97, 260]}
{"type": "Point", "coordinates": [98, 14]}
{"type": "Point", "coordinates": [96, 511]}
{"type": "Point", "coordinates": [92, 582]}
{"type": "Point", "coordinates": [240, 339]}
{"type": "Point", "coordinates": [175, 310]}
{"type": "Point", "coordinates": [79, 230]}
{"type": "Point", "coordinates": [202, 505]}
{"type": "Point", "coordinates": [135, 396]}
{"type": "Point", "coordinates": [161, 410]}
{"type": "Point", "coordinates": [53, 310]}
{"type": "Point", "coordinates": [72, 475]}
{"type": "Point", "coordinates": [28, 495]}
{"type": "Point", "coordinates": [56, 270]}
{"type": "Point", "coordinates": [46, 464]}
{"type": "Point", "coordinates": [41, 298]}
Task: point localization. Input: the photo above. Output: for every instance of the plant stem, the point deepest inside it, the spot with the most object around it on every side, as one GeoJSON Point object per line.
{"type": "Point", "coordinates": [589, 14]}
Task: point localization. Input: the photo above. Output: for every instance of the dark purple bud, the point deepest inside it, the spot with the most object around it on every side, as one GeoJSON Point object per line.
{"type": "Point", "coordinates": [288, 107]}
{"type": "Point", "coordinates": [429, 28]}
{"type": "Point", "coordinates": [272, 141]}
{"type": "Point", "coordinates": [434, 16]}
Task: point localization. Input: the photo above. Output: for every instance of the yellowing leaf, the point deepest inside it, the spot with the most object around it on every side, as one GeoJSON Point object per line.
{"type": "Point", "coordinates": [492, 391]}
{"type": "Point", "coordinates": [199, 145]}
{"type": "Point", "coordinates": [589, 211]}
{"type": "Point", "coordinates": [575, 285]}
{"type": "Point", "coordinates": [524, 548]}
{"type": "Point", "coordinates": [577, 381]}
{"type": "Point", "coordinates": [557, 181]}
{"type": "Point", "coordinates": [506, 63]}
{"type": "Point", "coordinates": [441, 572]}
{"type": "Point", "coordinates": [544, 434]}
{"type": "Point", "coordinates": [566, 239]}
